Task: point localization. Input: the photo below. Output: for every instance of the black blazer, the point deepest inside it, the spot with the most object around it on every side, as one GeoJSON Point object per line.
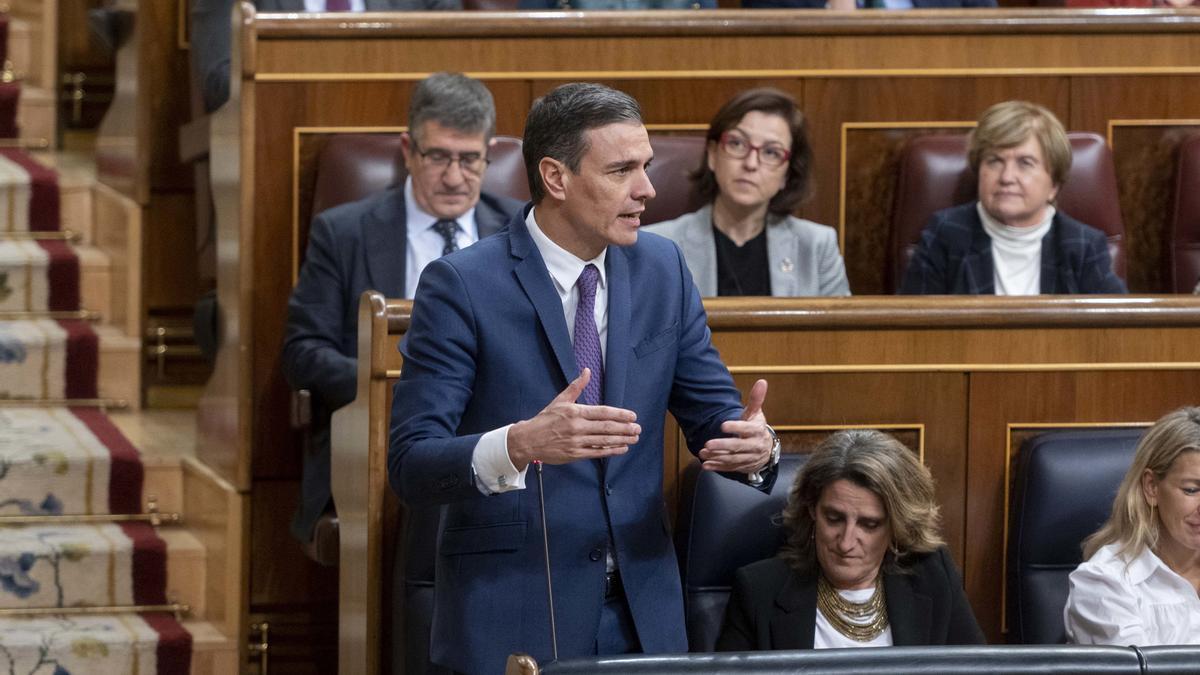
{"type": "Point", "coordinates": [954, 257]}
{"type": "Point", "coordinates": [351, 248]}
{"type": "Point", "coordinates": [773, 607]}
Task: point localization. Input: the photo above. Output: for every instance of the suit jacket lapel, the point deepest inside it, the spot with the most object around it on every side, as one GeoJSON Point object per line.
{"type": "Point", "coordinates": [908, 611]}
{"type": "Point", "coordinates": [535, 280]}
{"type": "Point", "coordinates": [386, 239]}
{"type": "Point", "coordinates": [1049, 282]}
{"type": "Point", "coordinates": [616, 359]}
{"type": "Point", "coordinates": [794, 626]}
{"type": "Point", "coordinates": [781, 251]}
{"type": "Point", "coordinates": [977, 265]}
{"type": "Point", "coordinates": [488, 220]}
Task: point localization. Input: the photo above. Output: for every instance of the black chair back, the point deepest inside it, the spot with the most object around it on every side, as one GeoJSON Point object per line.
{"type": "Point", "coordinates": [724, 525]}
{"type": "Point", "coordinates": [1063, 491]}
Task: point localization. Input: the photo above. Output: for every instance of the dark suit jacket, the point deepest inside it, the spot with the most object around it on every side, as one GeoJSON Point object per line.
{"type": "Point", "coordinates": [773, 607]}
{"type": "Point", "coordinates": [351, 248]}
{"type": "Point", "coordinates": [210, 36]}
{"type": "Point", "coordinates": [488, 345]}
{"type": "Point", "coordinates": [954, 257]}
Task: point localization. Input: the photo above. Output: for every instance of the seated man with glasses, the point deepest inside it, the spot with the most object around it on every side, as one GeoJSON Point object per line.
{"type": "Point", "coordinates": [754, 173]}
{"type": "Point", "coordinates": [382, 243]}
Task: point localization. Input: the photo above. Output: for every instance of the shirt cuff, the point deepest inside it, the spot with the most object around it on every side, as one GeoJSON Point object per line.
{"type": "Point", "coordinates": [494, 471]}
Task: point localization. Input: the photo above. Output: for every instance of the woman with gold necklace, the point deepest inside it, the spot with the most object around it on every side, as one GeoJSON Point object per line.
{"type": "Point", "coordinates": [863, 564]}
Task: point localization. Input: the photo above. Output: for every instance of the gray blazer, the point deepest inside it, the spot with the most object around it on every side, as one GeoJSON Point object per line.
{"type": "Point", "coordinates": [805, 260]}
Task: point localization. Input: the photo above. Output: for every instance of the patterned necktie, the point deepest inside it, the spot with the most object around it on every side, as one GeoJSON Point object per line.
{"type": "Point", "coordinates": [337, 5]}
{"type": "Point", "coordinates": [447, 228]}
{"type": "Point", "coordinates": [587, 338]}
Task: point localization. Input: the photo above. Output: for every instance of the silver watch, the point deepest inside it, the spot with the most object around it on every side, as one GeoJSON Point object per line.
{"type": "Point", "coordinates": [755, 478]}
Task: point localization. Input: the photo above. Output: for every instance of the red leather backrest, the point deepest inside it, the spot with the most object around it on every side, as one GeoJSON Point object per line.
{"type": "Point", "coordinates": [675, 158]}
{"type": "Point", "coordinates": [1183, 238]}
{"type": "Point", "coordinates": [934, 175]}
{"type": "Point", "coordinates": [352, 166]}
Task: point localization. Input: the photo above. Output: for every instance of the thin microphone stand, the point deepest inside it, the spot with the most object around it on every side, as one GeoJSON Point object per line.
{"type": "Point", "coordinates": [546, 554]}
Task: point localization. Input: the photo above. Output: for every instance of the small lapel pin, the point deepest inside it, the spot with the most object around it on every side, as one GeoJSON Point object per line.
{"type": "Point", "coordinates": [786, 265]}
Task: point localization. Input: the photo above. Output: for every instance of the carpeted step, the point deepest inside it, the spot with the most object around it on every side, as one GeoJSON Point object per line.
{"type": "Point", "coordinates": [43, 359]}
{"type": "Point", "coordinates": [29, 199]}
{"type": "Point", "coordinates": [74, 461]}
{"type": "Point", "coordinates": [38, 276]}
{"type": "Point", "coordinates": [116, 644]}
{"type": "Point", "coordinates": [104, 565]}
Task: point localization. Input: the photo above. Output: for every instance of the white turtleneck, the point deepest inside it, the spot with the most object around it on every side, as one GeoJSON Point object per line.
{"type": "Point", "coordinates": [1016, 253]}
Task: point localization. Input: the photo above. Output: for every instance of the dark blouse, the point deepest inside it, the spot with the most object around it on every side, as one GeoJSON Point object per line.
{"type": "Point", "coordinates": [745, 269]}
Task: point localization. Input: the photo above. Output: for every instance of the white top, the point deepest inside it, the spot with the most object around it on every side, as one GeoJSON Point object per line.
{"type": "Point", "coordinates": [827, 637]}
{"type": "Point", "coordinates": [320, 5]}
{"type": "Point", "coordinates": [1016, 253]}
{"type": "Point", "coordinates": [494, 470]}
{"type": "Point", "coordinates": [1141, 603]}
{"type": "Point", "coordinates": [424, 243]}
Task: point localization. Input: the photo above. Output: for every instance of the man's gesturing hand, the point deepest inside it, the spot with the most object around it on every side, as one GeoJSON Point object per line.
{"type": "Point", "coordinates": [749, 446]}
{"type": "Point", "coordinates": [566, 431]}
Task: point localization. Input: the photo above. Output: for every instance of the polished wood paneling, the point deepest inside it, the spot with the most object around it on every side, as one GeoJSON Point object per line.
{"type": "Point", "coordinates": [274, 578]}
{"type": "Point", "coordinates": [998, 400]}
{"type": "Point", "coordinates": [1145, 155]}
{"type": "Point", "coordinates": [218, 516]}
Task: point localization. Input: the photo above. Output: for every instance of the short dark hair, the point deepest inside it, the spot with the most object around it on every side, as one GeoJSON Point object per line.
{"type": "Point", "coordinates": [557, 123]}
{"type": "Point", "coordinates": [772, 102]}
{"type": "Point", "coordinates": [452, 100]}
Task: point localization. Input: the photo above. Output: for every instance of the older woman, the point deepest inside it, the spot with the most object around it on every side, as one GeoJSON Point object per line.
{"type": "Point", "coordinates": [863, 564]}
{"type": "Point", "coordinates": [753, 174]}
{"type": "Point", "coordinates": [1012, 241]}
{"type": "Point", "coordinates": [1141, 575]}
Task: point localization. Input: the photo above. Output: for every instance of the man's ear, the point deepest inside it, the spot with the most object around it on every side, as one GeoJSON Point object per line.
{"type": "Point", "coordinates": [406, 147]}
{"type": "Point", "coordinates": [555, 177]}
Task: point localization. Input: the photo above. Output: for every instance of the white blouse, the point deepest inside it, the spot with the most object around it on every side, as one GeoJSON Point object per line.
{"type": "Point", "coordinates": [1140, 603]}
{"type": "Point", "coordinates": [828, 637]}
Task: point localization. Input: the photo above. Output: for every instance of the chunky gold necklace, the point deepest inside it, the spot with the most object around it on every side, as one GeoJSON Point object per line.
{"type": "Point", "coordinates": [859, 621]}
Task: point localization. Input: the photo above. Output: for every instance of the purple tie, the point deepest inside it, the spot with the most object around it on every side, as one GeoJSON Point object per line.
{"type": "Point", "coordinates": [337, 5]}
{"type": "Point", "coordinates": [587, 339]}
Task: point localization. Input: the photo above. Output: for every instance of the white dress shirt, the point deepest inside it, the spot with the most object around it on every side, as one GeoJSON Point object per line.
{"type": "Point", "coordinates": [319, 5]}
{"type": "Point", "coordinates": [494, 470]}
{"type": "Point", "coordinates": [1115, 601]}
{"type": "Point", "coordinates": [828, 637]}
{"type": "Point", "coordinates": [424, 243]}
{"type": "Point", "coordinates": [1016, 253]}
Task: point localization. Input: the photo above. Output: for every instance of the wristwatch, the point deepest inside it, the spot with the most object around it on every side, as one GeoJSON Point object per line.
{"type": "Point", "coordinates": [755, 478]}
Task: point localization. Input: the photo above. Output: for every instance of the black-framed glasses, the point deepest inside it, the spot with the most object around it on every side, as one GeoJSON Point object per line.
{"type": "Point", "coordinates": [470, 162]}
{"type": "Point", "coordinates": [737, 146]}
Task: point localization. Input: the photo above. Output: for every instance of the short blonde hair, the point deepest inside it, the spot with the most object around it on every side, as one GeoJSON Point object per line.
{"type": "Point", "coordinates": [1008, 124]}
{"type": "Point", "coordinates": [1132, 524]}
{"type": "Point", "coordinates": [877, 462]}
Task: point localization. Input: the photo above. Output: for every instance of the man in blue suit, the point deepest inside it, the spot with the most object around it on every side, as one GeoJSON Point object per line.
{"type": "Point", "coordinates": [559, 346]}
{"type": "Point", "coordinates": [383, 242]}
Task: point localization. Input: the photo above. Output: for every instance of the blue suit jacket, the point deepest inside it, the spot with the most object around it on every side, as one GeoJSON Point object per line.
{"type": "Point", "coordinates": [488, 345]}
{"type": "Point", "coordinates": [955, 258]}
{"type": "Point", "coordinates": [351, 248]}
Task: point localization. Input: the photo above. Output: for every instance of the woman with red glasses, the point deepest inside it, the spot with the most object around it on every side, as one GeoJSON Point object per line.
{"type": "Point", "coordinates": [754, 173]}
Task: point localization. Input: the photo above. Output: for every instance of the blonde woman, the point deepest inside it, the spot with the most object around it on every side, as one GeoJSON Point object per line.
{"type": "Point", "coordinates": [1139, 580]}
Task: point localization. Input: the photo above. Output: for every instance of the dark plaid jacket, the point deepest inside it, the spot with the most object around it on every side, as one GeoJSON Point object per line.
{"type": "Point", "coordinates": [954, 257]}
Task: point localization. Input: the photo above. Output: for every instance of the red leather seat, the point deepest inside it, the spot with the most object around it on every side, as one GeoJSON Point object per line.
{"type": "Point", "coordinates": [675, 158]}
{"type": "Point", "coordinates": [1183, 236]}
{"type": "Point", "coordinates": [352, 166]}
{"type": "Point", "coordinates": [934, 175]}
